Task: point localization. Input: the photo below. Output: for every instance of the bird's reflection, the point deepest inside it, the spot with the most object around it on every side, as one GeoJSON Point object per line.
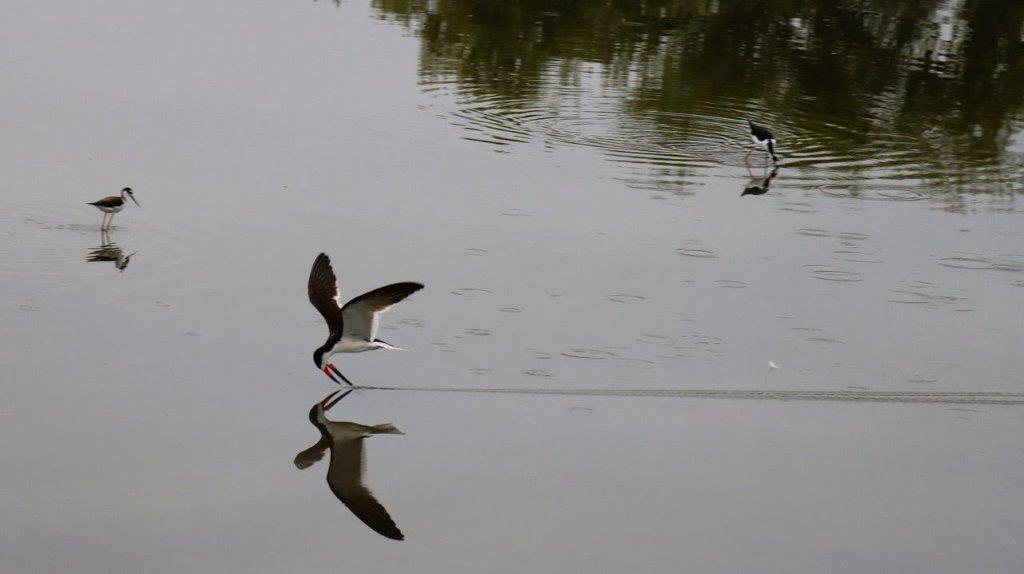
{"type": "Point", "coordinates": [345, 470]}
{"type": "Point", "coordinates": [109, 251]}
{"type": "Point", "coordinates": [758, 184]}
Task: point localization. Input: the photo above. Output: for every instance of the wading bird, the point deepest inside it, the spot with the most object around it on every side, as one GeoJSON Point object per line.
{"type": "Point", "coordinates": [763, 140]}
{"type": "Point", "coordinates": [353, 327]}
{"type": "Point", "coordinates": [113, 204]}
{"type": "Point", "coordinates": [345, 471]}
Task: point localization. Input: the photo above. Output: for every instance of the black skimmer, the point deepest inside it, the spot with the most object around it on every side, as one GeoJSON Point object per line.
{"type": "Point", "coordinates": [109, 251]}
{"type": "Point", "coordinates": [764, 140]}
{"type": "Point", "coordinates": [759, 185]}
{"type": "Point", "coordinates": [345, 471]}
{"type": "Point", "coordinates": [353, 326]}
{"type": "Point", "coordinates": [113, 204]}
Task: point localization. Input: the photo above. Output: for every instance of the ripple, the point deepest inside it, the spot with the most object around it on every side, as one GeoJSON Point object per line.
{"type": "Point", "coordinates": [536, 373]}
{"type": "Point", "coordinates": [730, 284]}
{"type": "Point", "coordinates": [592, 354]}
{"type": "Point", "coordinates": [813, 232]}
{"type": "Point", "coordinates": [626, 298]}
{"type": "Point", "coordinates": [980, 263]}
{"type": "Point", "coordinates": [826, 273]}
{"type": "Point", "coordinates": [478, 332]}
{"type": "Point", "coordinates": [471, 292]}
{"type": "Point", "coordinates": [695, 252]}
{"type": "Point", "coordinates": [869, 194]}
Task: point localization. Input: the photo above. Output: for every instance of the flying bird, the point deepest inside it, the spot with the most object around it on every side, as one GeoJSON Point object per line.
{"type": "Point", "coordinates": [763, 140]}
{"type": "Point", "coordinates": [113, 204]}
{"type": "Point", "coordinates": [353, 326]}
{"type": "Point", "coordinates": [345, 471]}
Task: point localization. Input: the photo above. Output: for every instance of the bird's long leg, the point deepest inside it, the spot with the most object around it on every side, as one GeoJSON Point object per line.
{"type": "Point", "coordinates": [103, 222]}
{"type": "Point", "coordinates": [110, 221]}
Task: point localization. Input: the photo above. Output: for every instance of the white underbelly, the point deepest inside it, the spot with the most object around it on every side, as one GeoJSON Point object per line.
{"type": "Point", "coordinates": [111, 209]}
{"type": "Point", "coordinates": [346, 345]}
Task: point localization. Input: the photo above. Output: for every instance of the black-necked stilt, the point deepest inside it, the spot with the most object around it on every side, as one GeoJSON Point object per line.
{"type": "Point", "coordinates": [764, 140]}
{"type": "Point", "coordinates": [759, 185]}
{"type": "Point", "coordinates": [353, 327]}
{"type": "Point", "coordinates": [113, 204]}
{"type": "Point", "coordinates": [345, 470]}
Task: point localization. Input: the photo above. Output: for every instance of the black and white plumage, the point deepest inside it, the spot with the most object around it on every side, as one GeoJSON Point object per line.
{"type": "Point", "coordinates": [345, 470]}
{"type": "Point", "coordinates": [763, 140]}
{"type": "Point", "coordinates": [353, 326]}
{"type": "Point", "coordinates": [113, 204]}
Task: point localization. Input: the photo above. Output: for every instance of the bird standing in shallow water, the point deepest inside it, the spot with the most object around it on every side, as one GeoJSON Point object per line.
{"type": "Point", "coordinates": [764, 140]}
{"type": "Point", "coordinates": [113, 204]}
{"type": "Point", "coordinates": [353, 327]}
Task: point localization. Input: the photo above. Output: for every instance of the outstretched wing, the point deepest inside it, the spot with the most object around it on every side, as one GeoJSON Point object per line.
{"type": "Point", "coordinates": [313, 454]}
{"type": "Point", "coordinates": [345, 477]}
{"type": "Point", "coordinates": [361, 315]}
{"type": "Point", "coordinates": [323, 291]}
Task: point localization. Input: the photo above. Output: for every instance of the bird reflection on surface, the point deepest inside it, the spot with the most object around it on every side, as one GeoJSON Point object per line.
{"type": "Point", "coordinates": [345, 470]}
{"type": "Point", "coordinates": [758, 185]}
{"type": "Point", "coordinates": [109, 251]}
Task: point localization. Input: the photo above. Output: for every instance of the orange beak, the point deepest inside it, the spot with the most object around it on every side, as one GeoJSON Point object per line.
{"type": "Point", "coordinates": [330, 370]}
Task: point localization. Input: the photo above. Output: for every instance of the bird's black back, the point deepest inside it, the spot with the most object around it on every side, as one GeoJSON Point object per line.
{"type": "Point", "coordinates": [760, 132]}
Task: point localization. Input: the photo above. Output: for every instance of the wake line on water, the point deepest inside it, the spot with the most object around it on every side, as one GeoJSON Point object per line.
{"type": "Point", "coordinates": [947, 397]}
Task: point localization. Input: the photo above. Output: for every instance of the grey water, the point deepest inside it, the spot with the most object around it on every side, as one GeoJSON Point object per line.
{"type": "Point", "coordinates": [569, 181]}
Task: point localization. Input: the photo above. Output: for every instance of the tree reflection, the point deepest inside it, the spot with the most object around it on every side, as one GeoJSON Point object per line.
{"type": "Point", "coordinates": [942, 79]}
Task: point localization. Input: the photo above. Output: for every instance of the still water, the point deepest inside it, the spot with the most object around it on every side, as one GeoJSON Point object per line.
{"type": "Point", "coordinates": [568, 180]}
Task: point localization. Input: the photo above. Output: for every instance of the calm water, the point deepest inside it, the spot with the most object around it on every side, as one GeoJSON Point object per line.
{"type": "Point", "coordinates": [568, 180]}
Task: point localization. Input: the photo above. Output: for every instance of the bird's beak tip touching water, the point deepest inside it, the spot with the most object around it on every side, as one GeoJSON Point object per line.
{"type": "Point", "coordinates": [330, 370]}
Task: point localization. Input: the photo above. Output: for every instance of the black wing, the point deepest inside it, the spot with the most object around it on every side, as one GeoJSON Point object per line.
{"type": "Point", "coordinates": [323, 292]}
{"type": "Point", "coordinates": [345, 477]}
{"type": "Point", "coordinates": [109, 201]}
{"type": "Point", "coordinates": [362, 314]}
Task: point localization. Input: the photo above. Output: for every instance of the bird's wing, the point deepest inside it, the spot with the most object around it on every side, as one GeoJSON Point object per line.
{"type": "Point", "coordinates": [323, 291]}
{"type": "Point", "coordinates": [361, 314]}
{"type": "Point", "coordinates": [313, 454]}
{"type": "Point", "coordinates": [345, 477]}
{"type": "Point", "coordinates": [109, 201]}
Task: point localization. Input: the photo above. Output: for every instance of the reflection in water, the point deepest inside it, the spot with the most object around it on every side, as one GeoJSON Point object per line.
{"type": "Point", "coordinates": [872, 94]}
{"type": "Point", "coordinates": [758, 185]}
{"type": "Point", "coordinates": [345, 470]}
{"type": "Point", "coordinates": [109, 251]}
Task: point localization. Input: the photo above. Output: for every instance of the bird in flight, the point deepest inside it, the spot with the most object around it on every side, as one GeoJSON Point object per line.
{"type": "Point", "coordinates": [353, 326]}
{"type": "Point", "coordinates": [112, 204]}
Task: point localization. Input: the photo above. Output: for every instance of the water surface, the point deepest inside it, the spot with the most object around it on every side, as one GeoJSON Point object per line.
{"type": "Point", "coordinates": [568, 181]}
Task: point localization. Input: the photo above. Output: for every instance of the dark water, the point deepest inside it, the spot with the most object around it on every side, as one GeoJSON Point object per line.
{"type": "Point", "coordinates": [568, 180]}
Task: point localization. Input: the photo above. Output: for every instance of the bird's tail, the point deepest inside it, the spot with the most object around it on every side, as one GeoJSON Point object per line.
{"type": "Point", "coordinates": [385, 428]}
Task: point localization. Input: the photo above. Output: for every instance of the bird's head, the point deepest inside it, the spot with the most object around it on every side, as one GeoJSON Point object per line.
{"type": "Point", "coordinates": [128, 191]}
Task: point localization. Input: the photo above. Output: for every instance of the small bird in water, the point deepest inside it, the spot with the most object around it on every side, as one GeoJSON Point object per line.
{"type": "Point", "coordinates": [345, 471]}
{"type": "Point", "coordinates": [113, 204]}
{"type": "Point", "coordinates": [763, 140]}
{"type": "Point", "coordinates": [353, 326]}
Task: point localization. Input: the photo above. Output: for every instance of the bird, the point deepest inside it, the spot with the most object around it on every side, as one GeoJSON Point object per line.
{"type": "Point", "coordinates": [764, 140]}
{"type": "Point", "coordinates": [112, 204]}
{"type": "Point", "coordinates": [345, 470]}
{"type": "Point", "coordinates": [353, 326]}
